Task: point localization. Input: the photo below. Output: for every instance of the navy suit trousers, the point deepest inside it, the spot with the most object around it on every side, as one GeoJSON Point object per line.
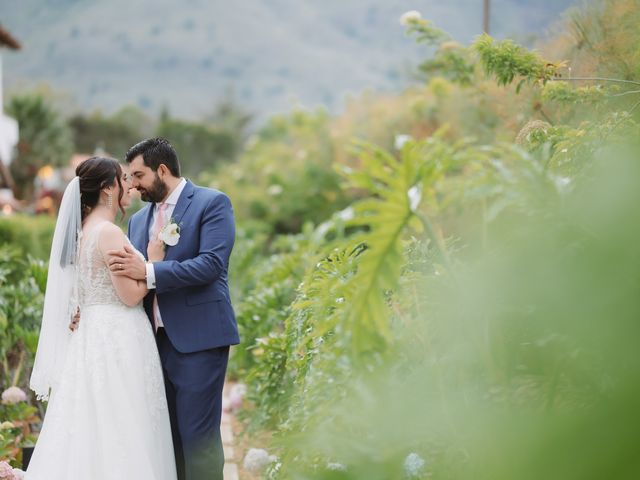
{"type": "Point", "coordinates": [193, 383]}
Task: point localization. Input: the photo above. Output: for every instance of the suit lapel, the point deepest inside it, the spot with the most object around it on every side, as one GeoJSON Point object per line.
{"type": "Point", "coordinates": [147, 225]}
{"type": "Point", "coordinates": [181, 207]}
{"type": "Point", "coordinates": [183, 202]}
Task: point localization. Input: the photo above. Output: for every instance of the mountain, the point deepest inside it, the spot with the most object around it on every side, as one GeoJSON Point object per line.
{"type": "Point", "coordinates": [268, 54]}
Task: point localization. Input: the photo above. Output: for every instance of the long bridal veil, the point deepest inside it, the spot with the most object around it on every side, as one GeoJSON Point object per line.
{"type": "Point", "coordinates": [59, 297]}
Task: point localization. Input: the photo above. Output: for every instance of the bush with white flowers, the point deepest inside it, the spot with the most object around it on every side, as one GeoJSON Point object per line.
{"type": "Point", "coordinates": [257, 459]}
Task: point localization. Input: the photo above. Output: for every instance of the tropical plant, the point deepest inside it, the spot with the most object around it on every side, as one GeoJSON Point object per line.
{"type": "Point", "coordinates": [22, 285]}
{"type": "Point", "coordinates": [469, 294]}
{"type": "Point", "coordinates": [45, 139]}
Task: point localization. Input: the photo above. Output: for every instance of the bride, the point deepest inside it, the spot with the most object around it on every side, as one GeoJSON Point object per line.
{"type": "Point", "coordinates": [107, 416]}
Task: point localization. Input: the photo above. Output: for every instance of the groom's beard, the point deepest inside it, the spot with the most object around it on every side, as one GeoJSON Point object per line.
{"type": "Point", "coordinates": [156, 192]}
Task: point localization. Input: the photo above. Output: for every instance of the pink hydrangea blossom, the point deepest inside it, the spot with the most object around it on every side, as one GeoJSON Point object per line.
{"type": "Point", "coordinates": [6, 471]}
{"type": "Point", "coordinates": [13, 395]}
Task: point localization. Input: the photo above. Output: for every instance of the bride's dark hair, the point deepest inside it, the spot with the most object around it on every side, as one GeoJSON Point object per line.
{"type": "Point", "coordinates": [97, 173]}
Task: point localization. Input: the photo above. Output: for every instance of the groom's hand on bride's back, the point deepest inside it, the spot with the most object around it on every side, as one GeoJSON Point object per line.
{"type": "Point", "coordinates": [126, 263]}
{"type": "Point", "coordinates": [75, 320]}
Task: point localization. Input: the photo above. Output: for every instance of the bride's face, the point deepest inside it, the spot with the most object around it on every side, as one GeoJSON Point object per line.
{"type": "Point", "coordinates": [127, 188]}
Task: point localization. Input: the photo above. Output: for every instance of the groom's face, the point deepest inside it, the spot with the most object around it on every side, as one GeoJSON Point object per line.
{"type": "Point", "coordinates": [151, 187]}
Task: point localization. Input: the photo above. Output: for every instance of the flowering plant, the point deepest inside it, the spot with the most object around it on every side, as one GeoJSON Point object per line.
{"type": "Point", "coordinates": [6, 471]}
{"type": "Point", "coordinates": [17, 416]}
{"type": "Point", "coordinates": [9, 473]}
{"type": "Point", "coordinates": [13, 395]}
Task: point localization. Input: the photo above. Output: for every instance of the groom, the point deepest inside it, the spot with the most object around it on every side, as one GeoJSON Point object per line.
{"type": "Point", "coordinates": [188, 302]}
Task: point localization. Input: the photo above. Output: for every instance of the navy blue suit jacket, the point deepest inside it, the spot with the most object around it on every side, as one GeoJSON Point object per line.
{"type": "Point", "coordinates": [191, 282]}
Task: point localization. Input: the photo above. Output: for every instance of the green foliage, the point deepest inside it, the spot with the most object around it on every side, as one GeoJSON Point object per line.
{"type": "Point", "coordinates": [229, 115]}
{"type": "Point", "coordinates": [285, 178]}
{"type": "Point", "coordinates": [22, 284]}
{"type": "Point", "coordinates": [205, 146]}
{"type": "Point", "coordinates": [564, 92]}
{"type": "Point", "coordinates": [113, 134]}
{"type": "Point", "coordinates": [395, 191]}
{"type": "Point", "coordinates": [466, 294]}
{"type": "Point", "coordinates": [32, 234]}
{"type": "Point", "coordinates": [425, 32]}
{"type": "Point", "coordinates": [266, 299]}
{"type": "Point", "coordinates": [16, 423]}
{"type": "Point", "coordinates": [45, 139]}
{"type": "Point", "coordinates": [604, 36]}
{"type": "Point", "coordinates": [506, 61]}
{"type": "Point", "coordinates": [522, 344]}
{"type": "Point", "coordinates": [340, 322]}
{"type": "Point", "coordinates": [453, 62]}
{"type": "Point", "coordinates": [572, 148]}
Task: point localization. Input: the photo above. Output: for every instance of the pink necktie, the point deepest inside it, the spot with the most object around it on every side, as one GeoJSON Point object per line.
{"type": "Point", "coordinates": [161, 221]}
{"type": "Point", "coordinates": [157, 226]}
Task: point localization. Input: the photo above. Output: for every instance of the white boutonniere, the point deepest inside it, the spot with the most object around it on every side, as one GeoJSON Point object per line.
{"type": "Point", "coordinates": [170, 233]}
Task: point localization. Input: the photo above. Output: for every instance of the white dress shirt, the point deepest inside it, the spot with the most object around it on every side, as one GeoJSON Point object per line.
{"type": "Point", "coordinates": [171, 201]}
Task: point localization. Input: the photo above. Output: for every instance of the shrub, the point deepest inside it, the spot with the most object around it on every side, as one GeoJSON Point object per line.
{"type": "Point", "coordinates": [31, 234]}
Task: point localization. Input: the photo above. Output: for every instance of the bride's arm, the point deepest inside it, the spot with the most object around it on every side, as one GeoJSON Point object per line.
{"type": "Point", "coordinates": [130, 291]}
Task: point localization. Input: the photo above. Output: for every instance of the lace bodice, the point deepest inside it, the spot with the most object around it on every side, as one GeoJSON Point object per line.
{"type": "Point", "coordinates": [94, 286]}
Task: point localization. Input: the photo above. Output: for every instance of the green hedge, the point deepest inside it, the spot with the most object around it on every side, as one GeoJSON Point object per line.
{"type": "Point", "coordinates": [32, 234]}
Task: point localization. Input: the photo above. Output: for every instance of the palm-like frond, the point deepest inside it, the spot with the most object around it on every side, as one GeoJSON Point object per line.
{"type": "Point", "coordinates": [396, 187]}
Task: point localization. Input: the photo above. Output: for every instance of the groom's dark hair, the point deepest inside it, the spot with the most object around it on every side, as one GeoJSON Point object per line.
{"type": "Point", "coordinates": [156, 151]}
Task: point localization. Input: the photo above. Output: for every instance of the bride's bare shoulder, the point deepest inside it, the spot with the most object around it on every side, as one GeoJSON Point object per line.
{"type": "Point", "coordinates": [110, 237]}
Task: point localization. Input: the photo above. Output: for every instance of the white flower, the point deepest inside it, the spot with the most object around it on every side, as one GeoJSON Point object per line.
{"type": "Point", "coordinates": [6, 425]}
{"type": "Point", "coordinates": [257, 459]}
{"type": "Point", "coordinates": [414, 465]}
{"type": "Point", "coordinates": [415, 195]}
{"type": "Point", "coordinates": [346, 214]}
{"type": "Point", "coordinates": [13, 395]}
{"type": "Point", "coordinates": [562, 183]}
{"type": "Point", "coordinates": [336, 467]}
{"type": "Point", "coordinates": [18, 474]}
{"type": "Point", "coordinates": [322, 229]}
{"type": "Point", "coordinates": [236, 395]}
{"type": "Point", "coordinates": [410, 16]}
{"type": "Point", "coordinates": [170, 234]}
{"type": "Point", "coordinates": [400, 140]}
{"type": "Point", "coordinates": [239, 389]}
{"type": "Point", "coordinates": [274, 190]}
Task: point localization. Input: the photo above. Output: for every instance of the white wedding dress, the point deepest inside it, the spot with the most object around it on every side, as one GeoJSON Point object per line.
{"type": "Point", "coordinates": [108, 418]}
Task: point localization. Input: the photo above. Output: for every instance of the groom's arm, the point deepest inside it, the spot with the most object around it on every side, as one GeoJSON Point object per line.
{"type": "Point", "coordinates": [217, 235]}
